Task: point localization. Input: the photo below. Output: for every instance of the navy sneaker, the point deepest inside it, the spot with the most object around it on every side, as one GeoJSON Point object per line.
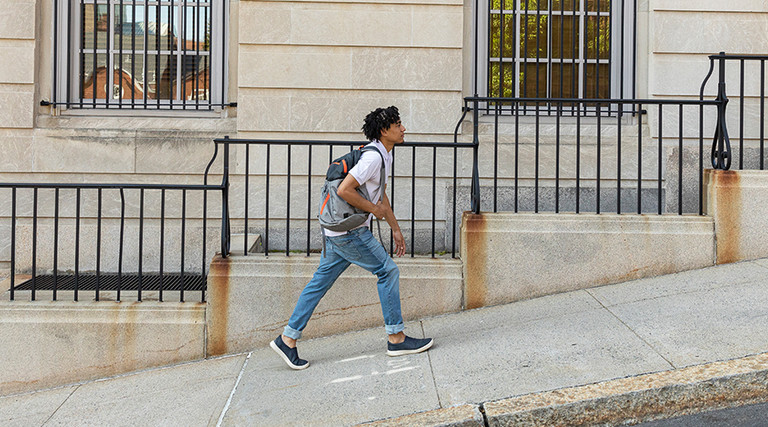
{"type": "Point", "coordinates": [289, 355]}
{"type": "Point", "coordinates": [409, 346]}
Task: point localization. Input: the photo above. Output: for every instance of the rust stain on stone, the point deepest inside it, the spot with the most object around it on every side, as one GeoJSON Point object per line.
{"type": "Point", "coordinates": [476, 255]}
{"type": "Point", "coordinates": [728, 220]}
{"type": "Point", "coordinates": [218, 306]}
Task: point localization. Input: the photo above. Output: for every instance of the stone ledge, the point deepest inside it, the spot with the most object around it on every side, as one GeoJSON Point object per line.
{"type": "Point", "coordinates": [455, 416]}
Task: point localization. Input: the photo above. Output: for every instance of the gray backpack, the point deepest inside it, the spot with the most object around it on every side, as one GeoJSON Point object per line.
{"type": "Point", "coordinates": [334, 213]}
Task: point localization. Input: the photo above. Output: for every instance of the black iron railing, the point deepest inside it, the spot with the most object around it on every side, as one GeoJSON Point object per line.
{"type": "Point", "coordinates": [284, 213]}
{"type": "Point", "coordinates": [722, 154]}
{"type": "Point", "coordinates": [79, 238]}
{"type": "Point", "coordinates": [137, 54]}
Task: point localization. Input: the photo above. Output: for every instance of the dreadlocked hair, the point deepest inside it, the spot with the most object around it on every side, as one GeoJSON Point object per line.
{"type": "Point", "coordinates": [379, 119]}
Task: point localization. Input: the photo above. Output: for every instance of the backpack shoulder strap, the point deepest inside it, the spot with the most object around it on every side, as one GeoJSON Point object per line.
{"type": "Point", "coordinates": [383, 173]}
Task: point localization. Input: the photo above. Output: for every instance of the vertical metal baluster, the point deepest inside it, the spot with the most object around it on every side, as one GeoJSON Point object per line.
{"type": "Point", "coordinates": [224, 78]}
{"type": "Point", "coordinates": [634, 49]}
{"type": "Point", "coordinates": [680, 164]}
{"type": "Point", "coordinates": [82, 55]}
{"type": "Point", "coordinates": [538, 46]}
{"type": "Point", "coordinates": [639, 155]}
{"type": "Point", "coordinates": [162, 243]}
{"type": "Point", "coordinates": [95, 51]}
{"type": "Point", "coordinates": [288, 206]}
{"type": "Point", "coordinates": [68, 71]}
{"type": "Point", "coordinates": [597, 51]}
{"type": "Point", "coordinates": [183, 233]}
{"type": "Point", "coordinates": [392, 203]}
{"type": "Point", "coordinates": [141, 240]}
{"type": "Point", "coordinates": [172, 57]}
{"type": "Point", "coordinates": [13, 243]}
{"type": "Point", "coordinates": [621, 56]}
{"type": "Point", "coordinates": [77, 246]}
{"type": "Point", "coordinates": [145, 53]}
{"type": "Point", "coordinates": [133, 54]}
{"type": "Point", "coordinates": [108, 59]}
{"type": "Point", "coordinates": [56, 245]}
{"type": "Point", "coordinates": [536, 148]}
{"type": "Point", "coordinates": [434, 181]}
{"type": "Point", "coordinates": [413, 200]}
{"type": "Point", "coordinates": [266, 211]}
{"type": "Point", "coordinates": [741, 115]}
{"type": "Point", "coordinates": [618, 158]}
{"type": "Point", "coordinates": [120, 48]}
{"type": "Point", "coordinates": [122, 235]}
{"type": "Point", "coordinates": [517, 151]}
{"type": "Point", "coordinates": [56, 51]}
{"type": "Point", "coordinates": [34, 244]}
{"type": "Point", "coordinates": [578, 155]}
{"type": "Point", "coordinates": [574, 55]}
{"type": "Point", "coordinates": [159, 54]}
{"type": "Point", "coordinates": [205, 244]}
{"type": "Point", "coordinates": [309, 193]}
{"type": "Point", "coordinates": [496, 156]}
{"type": "Point", "coordinates": [183, 66]}
{"type": "Point", "coordinates": [525, 57]}
{"type": "Point", "coordinates": [98, 245]}
{"type": "Point", "coordinates": [762, 114]}
{"type": "Point", "coordinates": [247, 176]}
{"type": "Point", "coordinates": [562, 54]}
{"type": "Point", "coordinates": [610, 50]}
{"type": "Point", "coordinates": [661, 145]}
{"type": "Point", "coordinates": [548, 71]}
{"type": "Point", "coordinates": [557, 157]}
{"type": "Point", "coordinates": [598, 112]}
{"type": "Point", "coordinates": [453, 223]}
{"type": "Point", "coordinates": [196, 26]}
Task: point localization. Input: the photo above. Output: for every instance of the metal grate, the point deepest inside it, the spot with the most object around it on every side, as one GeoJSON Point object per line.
{"type": "Point", "coordinates": [113, 282]}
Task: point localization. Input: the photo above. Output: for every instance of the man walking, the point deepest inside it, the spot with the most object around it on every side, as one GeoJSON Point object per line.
{"type": "Point", "coordinates": [385, 130]}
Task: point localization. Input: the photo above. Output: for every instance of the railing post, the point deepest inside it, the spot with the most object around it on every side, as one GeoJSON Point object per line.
{"type": "Point", "coordinates": [225, 230]}
{"type": "Point", "coordinates": [475, 154]}
{"type": "Point", "coordinates": [721, 144]}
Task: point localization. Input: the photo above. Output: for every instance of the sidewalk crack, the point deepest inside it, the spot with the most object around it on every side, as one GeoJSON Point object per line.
{"type": "Point", "coordinates": [431, 370]}
{"type": "Point", "coordinates": [59, 407]}
{"type": "Point", "coordinates": [234, 388]}
{"type": "Point", "coordinates": [632, 330]}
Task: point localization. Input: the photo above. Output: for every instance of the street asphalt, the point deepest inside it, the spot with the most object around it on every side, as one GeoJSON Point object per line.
{"type": "Point", "coordinates": [578, 339]}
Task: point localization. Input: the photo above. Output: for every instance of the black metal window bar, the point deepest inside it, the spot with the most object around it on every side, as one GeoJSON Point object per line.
{"type": "Point", "coordinates": [110, 241]}
{"type": "Point", "coordinates": [558, 49]}
{"type": "Point", "coordinates": [279, 199]}
{"type": "Point", "coordinates": [140, 54]}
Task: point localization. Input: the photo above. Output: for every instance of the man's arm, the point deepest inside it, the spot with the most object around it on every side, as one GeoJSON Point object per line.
{"type": "Point", "coordinates": [348, 192]}
{"type": "Point", "coordinates": [397, 235]}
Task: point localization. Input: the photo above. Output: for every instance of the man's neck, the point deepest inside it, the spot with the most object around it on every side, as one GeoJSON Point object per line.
{"type": "Point", "coordinates": [388, 145]}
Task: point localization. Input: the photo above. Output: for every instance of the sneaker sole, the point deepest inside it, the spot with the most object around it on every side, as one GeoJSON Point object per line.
{"type": "Point", "coordinates": [285, 358]}
{"type": "Point", "coordinates": [394, 353]}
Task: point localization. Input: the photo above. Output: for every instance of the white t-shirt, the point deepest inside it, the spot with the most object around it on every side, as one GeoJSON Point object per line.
{"type": "Point", "coordinates": [367, 172]}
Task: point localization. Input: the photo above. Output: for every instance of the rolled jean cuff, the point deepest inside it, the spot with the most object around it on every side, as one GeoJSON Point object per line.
{"type": "Point", "coordinates": [393, 329]}
{"type": "Point", "coordinates": [291, 333]}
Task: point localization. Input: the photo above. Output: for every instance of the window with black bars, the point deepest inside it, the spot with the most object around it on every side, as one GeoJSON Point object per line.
{"type": "Point", "coordinates": [559, 49]}
{"type": "Point", "coordinates": [140, 54]}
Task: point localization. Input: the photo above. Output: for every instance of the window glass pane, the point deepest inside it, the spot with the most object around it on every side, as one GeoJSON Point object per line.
{"type": "Point", "coordinates": [564, 84]}
{"type": "Point", "coordinates": [501, 84]}
{"type": "Point", "coordinates": [509, 35]}
{"type": "Point", "coordinates": [158, 28]}
{"type": "Point", "coordinates": [533, 80]}
{"type": "Point", "coordinates": [128, 76]}
{"type": "Point", "coordinates": [564, 4]}
{"type": "Point", "coordinates": [533, 35]}
{"type": "Point", "coordinates": [602, 5]}
{"type": "Point", "coordinates": [508, 4]}
{"type": "Point", "coordinates": [565, 33]}
{"type": "Point", "coordinates": [598, 37]}
{"type": "Point", "coordinates": [592, 80]}
{"type": "Point", "coordinates": [129, 27]}
{"type": "Point", "coordinates": [163, 84]}
{"type": "Point", "coordinates": [94, 80]}
{"type": "Point", "coordinates": [95, 26]}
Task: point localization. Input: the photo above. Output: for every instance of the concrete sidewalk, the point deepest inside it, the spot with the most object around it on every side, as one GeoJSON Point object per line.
{"type": "Point", "coordinates": [601, 350]}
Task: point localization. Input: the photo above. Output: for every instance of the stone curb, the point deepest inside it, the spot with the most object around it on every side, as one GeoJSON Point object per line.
{"type": "Point", "coordinates": [622, 401]}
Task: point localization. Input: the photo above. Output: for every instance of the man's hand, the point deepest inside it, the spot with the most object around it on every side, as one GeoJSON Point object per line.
{"type": "Point", "coordinates": [399, 243]}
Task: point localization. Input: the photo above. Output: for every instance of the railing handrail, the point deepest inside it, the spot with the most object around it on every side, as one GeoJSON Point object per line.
{"type": "Point", "coordinates": [594, 100]}
{"type": "Point", "coordinates": [322, 142]}
{"type": "Point", "coordinates": [113, 186]}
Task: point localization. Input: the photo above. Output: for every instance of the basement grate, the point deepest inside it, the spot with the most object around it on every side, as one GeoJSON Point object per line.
{"type": "Point", "coordinates": [113, 282]}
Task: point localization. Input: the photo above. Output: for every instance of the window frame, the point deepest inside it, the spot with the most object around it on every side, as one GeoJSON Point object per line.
{"type": "Point", "coordinates": [68, 26]}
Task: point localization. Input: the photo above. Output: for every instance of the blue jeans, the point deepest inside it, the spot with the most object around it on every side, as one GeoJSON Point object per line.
{"type": "Point", "coordinates": [360, 247]}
